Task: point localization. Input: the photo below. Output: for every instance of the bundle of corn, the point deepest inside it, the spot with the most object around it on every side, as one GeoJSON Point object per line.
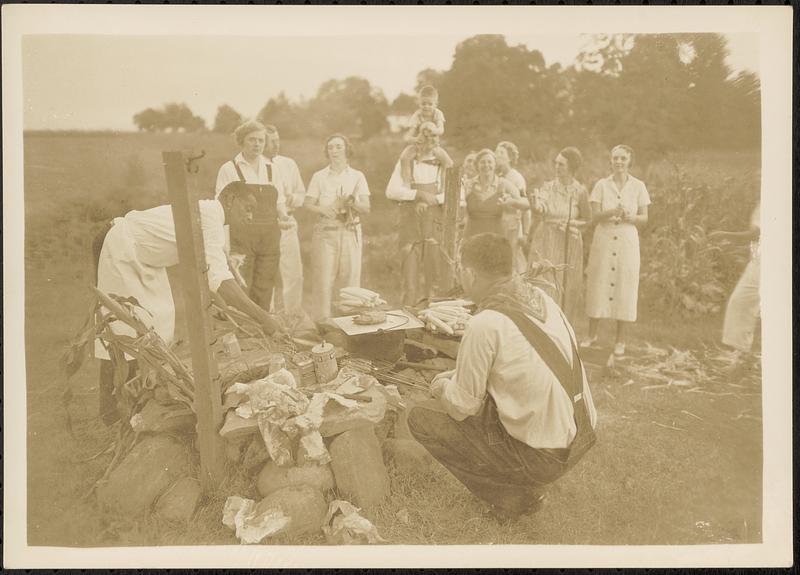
{"type": "Point", "coordinates": [357, 298]}
{"type": "Point", "coordinates": [159, 369]}
{"type": "Point", "coordinates": [449, 317]}
{"type": "Point", "coordinates": [161, 375]}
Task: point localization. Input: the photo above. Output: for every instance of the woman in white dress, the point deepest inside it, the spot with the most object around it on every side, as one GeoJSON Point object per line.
{"type": "Point", "coordinates": [619, 205]}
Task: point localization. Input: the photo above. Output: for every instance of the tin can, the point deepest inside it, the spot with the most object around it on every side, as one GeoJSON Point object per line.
{"type": "Point", "coordinates": [230, 344]}
{"type": "Point", "coordinates": [276, 362]}
{"type": "Point", "coordinates": [325, 366]}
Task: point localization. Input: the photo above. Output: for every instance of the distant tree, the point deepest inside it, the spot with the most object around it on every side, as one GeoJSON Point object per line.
{"type": "Point", "coordinates": [404, 104]}
{"type": "Point", "coordinates": [291, 119]}
{"type": "Point", "coordinates": [178, 117]}
{"type": "Point", "coordinates": [603, 53]}
{"type": "Point", "coordinates": [149, 120]}
{"type": "Point", "coordinates": [226, 120]}
{"type": "Point", "coordinates": [493, 91]}
{"type": "Point", "coordinates": [744, 107]}
{"type": "Point", "coordinates": [173, 117]}
{"type": "Point", "coordinates": [351, 106]}
{"type": "Point", "coordinates": [429, 77]}
{"type": "Point", "coordinates": [662, 92]}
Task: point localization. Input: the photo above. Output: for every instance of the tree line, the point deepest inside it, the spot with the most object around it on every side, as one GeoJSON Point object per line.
{"type": "Point", "coordinates": [656, 92]}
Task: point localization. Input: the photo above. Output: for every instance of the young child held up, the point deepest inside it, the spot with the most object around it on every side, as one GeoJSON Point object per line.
{"type": "Point", "coordinates": [432, 118]}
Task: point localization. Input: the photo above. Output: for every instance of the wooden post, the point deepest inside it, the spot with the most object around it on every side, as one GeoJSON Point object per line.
{"type": "Point", "coordinates": [197, 302]}
{"type": "Point", "coordinates": [452, 199]}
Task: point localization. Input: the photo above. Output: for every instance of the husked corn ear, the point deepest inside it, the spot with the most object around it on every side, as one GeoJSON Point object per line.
{"type": "Point", "coordinates": [440, 324]}
{"type": "Point", "coordinates": [359, 292]}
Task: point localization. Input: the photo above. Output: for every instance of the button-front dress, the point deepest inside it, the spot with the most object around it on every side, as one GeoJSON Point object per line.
{"type": "Point", "coordinates": [612, 288]}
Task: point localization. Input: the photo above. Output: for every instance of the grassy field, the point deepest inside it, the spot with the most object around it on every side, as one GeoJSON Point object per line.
{"type": "Point", "coordinates": [670, 466]}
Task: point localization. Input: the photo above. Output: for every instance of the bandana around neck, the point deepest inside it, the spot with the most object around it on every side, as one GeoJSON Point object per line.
{"type": "Point", "coordinates": [518, 295]}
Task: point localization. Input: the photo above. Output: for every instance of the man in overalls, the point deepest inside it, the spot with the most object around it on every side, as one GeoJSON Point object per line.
{"type": "Point", "coordinates": [516, 412]}
{"type": "Point", "coordinates": [258, 241]}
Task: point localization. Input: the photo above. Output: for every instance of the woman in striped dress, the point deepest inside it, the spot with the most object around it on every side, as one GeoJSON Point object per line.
{"type": "Point", "coordinates": [563, 207]}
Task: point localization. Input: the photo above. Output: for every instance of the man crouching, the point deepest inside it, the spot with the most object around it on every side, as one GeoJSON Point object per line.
{"type": "Point", "coordinates": [516, 412]}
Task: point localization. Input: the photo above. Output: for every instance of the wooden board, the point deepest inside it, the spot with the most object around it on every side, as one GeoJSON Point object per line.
{"type": "Point", "coordinates": [395, 320]}
{"type": "Point", "coordinates": [445, 345]}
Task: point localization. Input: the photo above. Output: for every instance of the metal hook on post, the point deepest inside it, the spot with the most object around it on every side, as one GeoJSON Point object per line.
{"type": "Point", "coordinates": [191, 167]}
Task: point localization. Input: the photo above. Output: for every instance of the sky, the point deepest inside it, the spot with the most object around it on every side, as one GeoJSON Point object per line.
{"type": "Point", "coordinates": [95, 82]}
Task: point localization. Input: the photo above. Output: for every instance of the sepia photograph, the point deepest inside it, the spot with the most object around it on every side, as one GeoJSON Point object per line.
{"type": "Point", "coordinates": [282, 281]}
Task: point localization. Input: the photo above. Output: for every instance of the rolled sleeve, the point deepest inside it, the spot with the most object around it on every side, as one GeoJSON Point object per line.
{"type": "Point", "coordinates": [212, 219]}
{"type": "Point", "coordinates": [313, 191]}
{"type": "Point", "coordinates": [463, 395]}
{"type": "Point", "coordinates": [397, 190]}
{"type": "Point", "coordinates": [298, 190]}
{"type": "Point", "coordinates": [362, 189]}
{"type": "Point", "coordinates": [226, 175]}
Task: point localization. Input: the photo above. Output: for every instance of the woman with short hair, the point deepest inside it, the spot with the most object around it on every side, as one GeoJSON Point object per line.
{"type": "Point", "coordinates": [488, 197]}
{"type": "Point", "coordinates": [563, 207]}
{"type": "Point", "coordinates": [619, 205]}
{"type": "Point", "coordinates": [339, 195]}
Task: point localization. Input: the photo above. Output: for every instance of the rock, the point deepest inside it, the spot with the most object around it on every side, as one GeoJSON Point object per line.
{"type": "Point", "coordinates": [156, 417]}
{"type": "Point", "coordinates": [337, 419]}
{"type": "Point", "coordinates": [148, 470]}
{"type": "Point", "coordinates": [358, 468]}
{"type": "Point", "coordinates": [179, 501]}
{"type": "Point", "coordinates": [408, 455]}
{"type": "Point", "coordinates": [303, 504]}
{"type": "Point", "coordinates": [236, 426]}
{"type": "Point", "coordinates": [255, 455]}
{"type": "Point", "coordinates": [272, 478]}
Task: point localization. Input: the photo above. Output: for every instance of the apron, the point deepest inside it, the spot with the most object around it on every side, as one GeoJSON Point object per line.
{"type": "Point", "coordinates": [121, 272]}
{"type": "Point", "coordinates": [422, 234]}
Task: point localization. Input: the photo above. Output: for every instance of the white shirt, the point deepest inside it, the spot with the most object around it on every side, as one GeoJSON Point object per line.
{"type": "Point", "coordinates": [495, 356]}
{"type": "Point", "coordinates": [518, 180]}
{"type": "Point", "coordinates": [326, 187]}
{"type": "Point", "coordinates": [631, 197]}
{"type": "Point", "coordinates": [282, 176]}
{"type": "Point", "coordinates": [153, 235]}
{"type": "Point", "coordinates": [423, 173]}
{"type": "Point", "coordinates": [286, 177]}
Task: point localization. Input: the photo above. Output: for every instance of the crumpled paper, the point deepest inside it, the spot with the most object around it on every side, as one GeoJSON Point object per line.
{"type": "Point", "coordinates": [307, 426]}
{"type": "Point", "coordinates": [284, 413]}
{"type": "Point", "coordinates": [344, 525]}
{"type": "Point", "coordinates": [273, 401]}
{"type": "Point", "coordinates": [251, 526]}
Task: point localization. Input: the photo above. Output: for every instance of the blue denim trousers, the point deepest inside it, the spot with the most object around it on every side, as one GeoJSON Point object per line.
{"type": "Point", "coordinates": [503, 471]}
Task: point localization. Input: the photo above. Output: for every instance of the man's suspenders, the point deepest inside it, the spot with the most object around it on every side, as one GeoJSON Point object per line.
{"type": "Point", "coordinates": [570, 377]}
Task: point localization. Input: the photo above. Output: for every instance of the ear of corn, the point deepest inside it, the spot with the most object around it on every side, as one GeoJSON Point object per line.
{"type": "Point", "coordinates": [360, 297]}
{"type": "Point", "coordinates": [450, 317]}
